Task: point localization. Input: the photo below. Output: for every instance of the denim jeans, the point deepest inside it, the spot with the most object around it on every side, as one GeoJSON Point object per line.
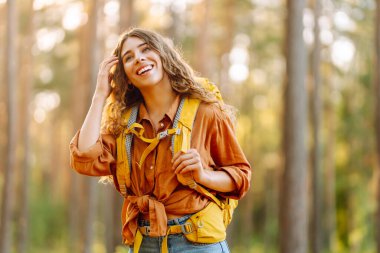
{"type": "Point", "coordinates": [178, 243]}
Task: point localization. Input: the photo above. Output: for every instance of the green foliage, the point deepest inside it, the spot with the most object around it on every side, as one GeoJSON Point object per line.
{"type": "Point", "coordinates": [48, 223]}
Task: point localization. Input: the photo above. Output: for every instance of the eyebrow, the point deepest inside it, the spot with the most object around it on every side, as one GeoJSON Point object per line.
{"type": "Point", "coordinates": [142, 44]}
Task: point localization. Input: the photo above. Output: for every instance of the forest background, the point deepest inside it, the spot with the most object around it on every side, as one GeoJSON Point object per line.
{"type": "Point", "coordinates": [307, 111]}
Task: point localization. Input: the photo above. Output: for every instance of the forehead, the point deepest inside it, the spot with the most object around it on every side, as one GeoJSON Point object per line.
{"type": "Point", "coordinates": [131, 43]}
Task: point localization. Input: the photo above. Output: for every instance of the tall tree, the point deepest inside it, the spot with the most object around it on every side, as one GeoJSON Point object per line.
{"type": "Point", "coordinates": [174, 30]}
{"type": "Point", "coordinates": [127, 15]}
{"type": "Point", "coordinates": [93, 64]}
{"type": "Point", "coordinates": [330, 210]}
{"type": "Point", "coordinates": [316, 210]}
{"type": "Point", "coordinates": [228, 24]}
{"type": "Point", "coordinates": [25, 117]}
{"type": "Point", "coordinates": [79, 99]}
{"type": "Point", "coordinates": [2, 87]}
{"type": "Point", "coordinates": [202, 43]}
{"type": "Point", "coordinates": [82, 197]}
{"type": "Point", "coordinates": [377, 118]}
{"type": "Point", "coordinates": [11, 68]}
{"type": "Point", "coordinates": [293, 218]}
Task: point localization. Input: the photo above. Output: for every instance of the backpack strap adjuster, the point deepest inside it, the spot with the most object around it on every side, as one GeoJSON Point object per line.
{"type": "Point", "coordinates": [187, 228]}
{"type": "Point", "coordinates": [163, 134]}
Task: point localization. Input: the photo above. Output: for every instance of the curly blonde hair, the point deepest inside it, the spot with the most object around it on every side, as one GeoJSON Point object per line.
{"type": "Point", "coordinates": [181, 76]}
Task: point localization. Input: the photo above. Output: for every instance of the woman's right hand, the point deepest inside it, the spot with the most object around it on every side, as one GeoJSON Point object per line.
{"type": "Point", "coordinates": [103, 83]}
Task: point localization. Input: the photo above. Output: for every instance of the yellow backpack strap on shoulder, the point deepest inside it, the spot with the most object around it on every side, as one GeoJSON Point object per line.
{"type": "Point", "coordinates": [185, 118]}
{"type": "Point", "coordinates": [123, 150]}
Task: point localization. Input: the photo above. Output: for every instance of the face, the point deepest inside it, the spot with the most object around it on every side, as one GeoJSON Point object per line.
{"type": "Point", "coordinates": [142, 64]}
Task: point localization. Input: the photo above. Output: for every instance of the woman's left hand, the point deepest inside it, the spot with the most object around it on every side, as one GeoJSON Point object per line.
{"type": "Point", "coordinates": [189, 162]}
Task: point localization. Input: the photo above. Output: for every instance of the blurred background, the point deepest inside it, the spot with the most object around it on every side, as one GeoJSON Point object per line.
{"type": "Point", "coordinates": [306, 120]}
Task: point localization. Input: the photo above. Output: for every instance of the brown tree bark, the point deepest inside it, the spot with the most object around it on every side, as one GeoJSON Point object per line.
{"type": "Point", "coordinates": [330, 210]}
{"type": "Point", "coordinates": [316, 175]}
{"type": "Point", "coordinates": [127, 15]}
{"type": "Point", "coordinates": [11, 80]}
{"type": "Point", "coordinates": [93, 64]}
{"type": "Point", "coordinates": [81, 95]}
{"type": "Point", "coordinates": [202, 48]}
{"type": "Point", "coordinates": [25, 119]}
{"type": "Point", "coordinates": [377, 118]}
{"type": "Point", "coordinates": [293, 216]}
{"type": "Point", "coordinates": [229, 24]}
{"type": "Point", "coordinates": [3, 120]}
{"type": "Point", "coordinates": [174, 30]}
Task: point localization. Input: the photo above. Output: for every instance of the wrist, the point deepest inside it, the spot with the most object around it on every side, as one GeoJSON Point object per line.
{"type": "Point", "coordinates": [204, 178]}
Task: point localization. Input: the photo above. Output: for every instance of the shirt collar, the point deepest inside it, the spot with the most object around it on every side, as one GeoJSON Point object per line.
{"type": "Point", "coordinates": [143, 112]}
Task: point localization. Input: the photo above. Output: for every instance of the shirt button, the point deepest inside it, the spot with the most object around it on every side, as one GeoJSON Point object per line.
{"type": "Point", "coordinates": [151, 167]}
{"type": "Point", "coordinates": [161, 124]}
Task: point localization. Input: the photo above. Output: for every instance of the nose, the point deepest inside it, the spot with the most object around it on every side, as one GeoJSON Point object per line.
{"type": "Point", "coordinates": [140, 57]}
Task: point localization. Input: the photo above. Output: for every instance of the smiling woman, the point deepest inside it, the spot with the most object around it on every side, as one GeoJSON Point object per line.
{"type": "Point", "coordinates": [177, 201]}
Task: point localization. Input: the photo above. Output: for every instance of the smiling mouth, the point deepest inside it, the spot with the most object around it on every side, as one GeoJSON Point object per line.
{"type": "Point", "coordinates": [144, 70]}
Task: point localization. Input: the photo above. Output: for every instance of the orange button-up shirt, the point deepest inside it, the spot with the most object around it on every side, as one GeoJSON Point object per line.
{"type": "Point", "coordinates": [155, 190]}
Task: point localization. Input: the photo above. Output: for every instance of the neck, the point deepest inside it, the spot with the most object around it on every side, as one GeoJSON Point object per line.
{"type": "Point", "coordinates": [158, 99]}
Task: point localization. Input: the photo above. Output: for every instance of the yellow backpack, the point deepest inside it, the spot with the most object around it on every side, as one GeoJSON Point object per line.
{"type": "Point", "coordinates": [181, 134]}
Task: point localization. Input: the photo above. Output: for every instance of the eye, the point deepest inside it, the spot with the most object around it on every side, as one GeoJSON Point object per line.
{"type": "Point", "coordinates": [127, 58]}
{"type": "Point", "coordinates": [146, 49]}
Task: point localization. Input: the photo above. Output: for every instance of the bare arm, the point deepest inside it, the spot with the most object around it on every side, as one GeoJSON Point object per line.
{"type": "Point", "coordinates": [90, 129]}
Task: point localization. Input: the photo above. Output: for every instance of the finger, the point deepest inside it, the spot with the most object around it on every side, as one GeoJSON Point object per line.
{"type": "Point", "coordinates": [189, 168]}
{"type": "Point", "coordinates": [109, 64]}
{"type": "Point", "coordinates": [193, 152]}
{"type": "Point", "coordinates": [182, 158]}
{"type": "Point", "coordinates": [108, 60]}
{"type": "Point", "coordinates": [185, 164]}
{"type": "Point", "coordinates": [176, 155]}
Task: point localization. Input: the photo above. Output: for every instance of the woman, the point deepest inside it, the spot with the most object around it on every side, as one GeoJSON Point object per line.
{"type": "Point", "coordinates": [145, 72]}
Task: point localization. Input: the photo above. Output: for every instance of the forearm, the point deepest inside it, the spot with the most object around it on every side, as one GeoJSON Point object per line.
{"type": "Point", "coordinates": [219, 181]}
{"type": "Point", "coordinates": [90, 129]}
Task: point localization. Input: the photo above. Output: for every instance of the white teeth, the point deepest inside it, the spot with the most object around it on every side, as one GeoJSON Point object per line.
{"type": "Point", "coordinates": [149, 67]}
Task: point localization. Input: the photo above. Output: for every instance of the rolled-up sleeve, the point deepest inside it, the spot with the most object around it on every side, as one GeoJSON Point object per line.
{"type": "Point", "coordinates": [97, 160]}
{"type": "Point", "coordinates": [228, 155]}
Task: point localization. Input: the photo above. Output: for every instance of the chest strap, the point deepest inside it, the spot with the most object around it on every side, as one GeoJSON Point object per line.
{"type": "Point", "coordinates": [136, 129]}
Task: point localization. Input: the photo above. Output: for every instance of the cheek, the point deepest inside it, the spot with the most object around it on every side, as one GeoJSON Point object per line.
{"type": "Point", "coordinates": [127, 70]}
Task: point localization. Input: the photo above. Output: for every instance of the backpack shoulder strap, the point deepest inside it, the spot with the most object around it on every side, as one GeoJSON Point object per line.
{"type": "Point", "coordinates": [123, 149]}
{"type": "Point", "coordinates": [184, 119]}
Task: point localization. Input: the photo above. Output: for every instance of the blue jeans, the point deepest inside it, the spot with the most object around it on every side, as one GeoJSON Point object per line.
{"type": "Point", "coordinates": [178, 243]}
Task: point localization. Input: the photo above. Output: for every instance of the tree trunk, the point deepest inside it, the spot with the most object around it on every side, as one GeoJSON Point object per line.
{"type": "Point", "coordinates": [25, 119]}
{"type": "Point", "coordinates": [202, 50]}
{"type": "Point", "coordinates": [91, 183]}
{"type": "Point", "coordinates": [3, 120]}
{"type": "Point", "coordinates": [377, 118]}
{"type": "Point", "coordinates": [79, 99]}
{"type": "Point", "coordinates": [293, 218]}
{"type": "Point", "coordinates": [79, 190]}
{"type": "Point", "coordinates": [8, 189]}
{"type": "Point", "coordinates": [175, 29]}
{"type": "Point", "coordinates": [316, 220]}
{"type": "Point", "coordinates": [330, 210]}
{"type": "Point", "coordinates": [127, 16]}
{"type": "Point", "coordinates": [229, 24]}
{"type": "Point", "coordinates": [271, 206]}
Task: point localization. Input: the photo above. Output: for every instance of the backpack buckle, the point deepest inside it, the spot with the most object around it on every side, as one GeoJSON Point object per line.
{"type": "Point", "coordinates": [163, 134]}
{"type": "Point", "coordinates": [187, 228]}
